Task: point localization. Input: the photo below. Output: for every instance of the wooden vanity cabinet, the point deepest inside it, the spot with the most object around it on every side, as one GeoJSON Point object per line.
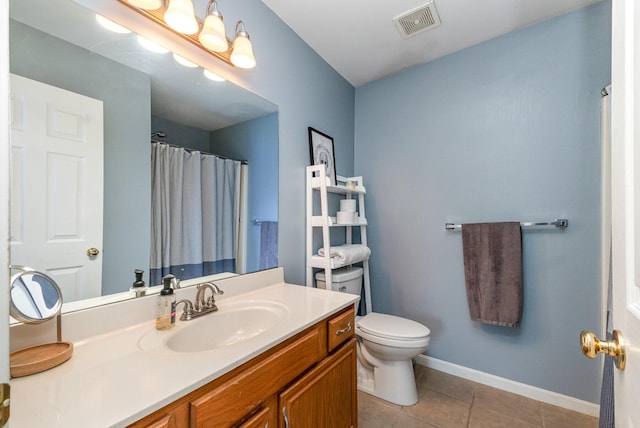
{"type": "Point", "coordinates": [301, 374]}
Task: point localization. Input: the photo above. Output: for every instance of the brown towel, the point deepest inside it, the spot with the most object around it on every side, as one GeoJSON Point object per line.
{"type": "Point", "coordinates": [493, 272]}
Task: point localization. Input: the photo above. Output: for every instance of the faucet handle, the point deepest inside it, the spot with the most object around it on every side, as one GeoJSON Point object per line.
{"type": "Point", "coordinates": [175, 283]}
{"type": "Point", "coordinates": [211, 303]}
{"type": "Point", "coordinates": [187, 314]}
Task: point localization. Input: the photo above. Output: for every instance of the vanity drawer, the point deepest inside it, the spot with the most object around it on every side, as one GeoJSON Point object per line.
{"type": "Point", "coordinates": [340, 328]}
{"type": "Point", "coordinates": [265, 417]}
{"type": "Point", "coordinates": [247, 391]}
{"type": "Point", "coordinates": [175, 418]}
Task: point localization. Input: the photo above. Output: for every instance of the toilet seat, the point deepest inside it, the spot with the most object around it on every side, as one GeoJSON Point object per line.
{"type": "Point", "coordinates": [393, 331]}
{"type": "Point", "coordinates": [392, 327]}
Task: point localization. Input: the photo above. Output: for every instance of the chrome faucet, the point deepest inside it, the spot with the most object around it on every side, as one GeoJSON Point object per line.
{"type": "Point", "coordinates": [201, 305]}
{"type": "Point", "coordinates": [210, 303]}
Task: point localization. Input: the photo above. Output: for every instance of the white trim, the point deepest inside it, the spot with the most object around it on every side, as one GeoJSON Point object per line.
{"type": "Point", "coordinates": [518, 388]}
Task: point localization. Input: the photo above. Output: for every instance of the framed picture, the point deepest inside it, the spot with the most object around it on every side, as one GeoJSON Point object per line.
{"type": "Point", "coordinates": [321, 152]}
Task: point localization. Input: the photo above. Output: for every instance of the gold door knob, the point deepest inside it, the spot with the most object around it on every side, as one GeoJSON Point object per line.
{"type": "Point", "coordinates": [592, 346]}
{"type": "Point", "coordinates": [92, 252]}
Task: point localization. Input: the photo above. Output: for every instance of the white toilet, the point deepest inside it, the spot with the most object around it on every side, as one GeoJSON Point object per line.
{"type": "Point", "coordinates": [386, 345]}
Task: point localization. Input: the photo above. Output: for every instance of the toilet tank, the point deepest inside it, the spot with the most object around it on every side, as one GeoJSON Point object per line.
{"type": "Point", "coordinates": [347, 280]}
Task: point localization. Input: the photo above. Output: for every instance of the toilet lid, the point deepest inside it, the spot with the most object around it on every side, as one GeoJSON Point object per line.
{"type": "Point", "coordinates": [392, 327]}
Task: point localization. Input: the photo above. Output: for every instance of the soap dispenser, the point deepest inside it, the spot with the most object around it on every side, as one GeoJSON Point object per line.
{"type": "Point", "coordinates": [166, 305]}
{"type": "Point", "coordinates": [139, 288]}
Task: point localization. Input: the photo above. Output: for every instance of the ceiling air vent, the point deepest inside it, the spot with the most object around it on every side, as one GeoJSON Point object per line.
{"type": "Point", "coordinates": [418, 20]}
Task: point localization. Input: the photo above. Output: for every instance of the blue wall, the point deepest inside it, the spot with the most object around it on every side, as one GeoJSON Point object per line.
{"type": "Point", "coordinates": [180, 135]}
{"type": "Point", "coordinates": [504, 130]}
{"type": "Point", "coordinates": [308, 92]}
{"type": "Point", "coordinates": [255, 141]}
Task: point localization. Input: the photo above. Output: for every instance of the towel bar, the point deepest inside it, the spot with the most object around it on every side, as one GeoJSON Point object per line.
{"type": "Point", "coordinates": [559, 223]}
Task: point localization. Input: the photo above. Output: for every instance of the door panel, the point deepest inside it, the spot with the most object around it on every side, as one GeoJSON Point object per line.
{"type": "Point", "coordinates": [625, 202]}
{"type": "Point", "coordinates": [5, 111]}
{"type": "Point", "coordinates": [57, 139]}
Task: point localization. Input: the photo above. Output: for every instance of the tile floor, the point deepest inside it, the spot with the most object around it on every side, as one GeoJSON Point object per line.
{"type": "Point", "coordinates": [446, 401]}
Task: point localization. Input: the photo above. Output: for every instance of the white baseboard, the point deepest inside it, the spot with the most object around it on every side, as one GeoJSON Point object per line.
{"type": "Point", "coordinates": [525, 390]}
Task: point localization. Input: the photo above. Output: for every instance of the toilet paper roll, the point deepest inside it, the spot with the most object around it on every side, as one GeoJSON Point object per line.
{"type": "Point", "coordinates": [344, 217]}
{"type": "Point", "coordinates": [348, 205]}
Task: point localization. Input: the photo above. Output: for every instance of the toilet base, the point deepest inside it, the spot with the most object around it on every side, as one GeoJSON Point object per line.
{"type": "Point", "coordinates": [395, 382]}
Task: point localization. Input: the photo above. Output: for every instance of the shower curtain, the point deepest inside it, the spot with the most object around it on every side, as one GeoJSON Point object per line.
{"type": "Point", "coordinates": [195, 205]}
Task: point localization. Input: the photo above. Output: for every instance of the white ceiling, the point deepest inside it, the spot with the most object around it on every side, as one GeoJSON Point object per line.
{"type": "Point", "coordinates": [359, 40]}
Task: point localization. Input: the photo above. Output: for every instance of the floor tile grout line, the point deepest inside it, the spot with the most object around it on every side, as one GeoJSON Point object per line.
{"type": "Point", "coordinates": [473, 398]}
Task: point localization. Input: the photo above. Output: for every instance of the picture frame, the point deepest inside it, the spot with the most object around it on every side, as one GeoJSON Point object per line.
{"type": "Point", "coordinates": [322, 153]}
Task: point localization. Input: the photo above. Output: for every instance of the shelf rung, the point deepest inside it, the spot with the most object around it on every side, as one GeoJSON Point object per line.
{"type": "Point", "coordinates": [319, 262]}
{"type": "Point", "coordinates": [340, 189]}
{"type": "Point", "coordinates": [316, 221]}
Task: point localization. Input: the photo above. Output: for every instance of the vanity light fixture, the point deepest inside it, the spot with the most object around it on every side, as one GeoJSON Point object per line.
{"type": "Point", "coordinates": [242, 51]}
{"type": "Point", "coordinates": [152, 46]}
{"type": "Point", "coordinates": [183, 61]}
{"type": "Point", "coordinates": [180, 16]}
{"type": "Point", "coordinates": [177, 17]}
{"type": "Point", "coordinates": [146, 4]}
{"type": "Point", "coordinates": [111, 26]}
{"type": "Point", "coordinates": [213, 36]}
{"type": "Point", "coordinates": [213, 76]}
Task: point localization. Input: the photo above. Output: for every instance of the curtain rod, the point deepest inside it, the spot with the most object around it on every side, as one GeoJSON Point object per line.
{"type": "Point", "coordinates": [243, 162]}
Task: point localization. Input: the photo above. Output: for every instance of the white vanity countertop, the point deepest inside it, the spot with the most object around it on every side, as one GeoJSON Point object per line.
{"type": "Point", "coordinates": [111, 382]}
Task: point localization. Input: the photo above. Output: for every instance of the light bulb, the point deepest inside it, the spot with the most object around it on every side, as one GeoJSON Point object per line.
{"type": "Point", "coordinates": [152, 46]}
{"type": "Point", "coordinates": [180, 16]}
{"type": "Point", "coordinates": [242, 52]}
{"type": "Point", "coordinates": [183, 61]}
{"type": "Point", "coordinates": [146, 4]}
{"type": "Point", "coordinates": [110, 25]}
{"type": "Point", "coordinates": [213, 36]}
{"type": "Point", "coordinates": [213, 76]}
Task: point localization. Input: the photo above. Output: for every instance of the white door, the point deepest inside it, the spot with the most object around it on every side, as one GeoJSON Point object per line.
{"type": "Point", "coordinates": [625, 139]}
{"type": "Point", "coordinates": [4, 209]}
{"type": "Point", "coordinates": [56, 185]}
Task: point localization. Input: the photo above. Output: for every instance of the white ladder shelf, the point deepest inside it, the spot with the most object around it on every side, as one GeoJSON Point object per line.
{"type": "Point", "coordinates": [317, 182]}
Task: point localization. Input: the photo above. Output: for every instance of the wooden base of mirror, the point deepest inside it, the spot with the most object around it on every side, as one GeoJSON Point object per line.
{"type": "Point", "coordinates": [36, 359]}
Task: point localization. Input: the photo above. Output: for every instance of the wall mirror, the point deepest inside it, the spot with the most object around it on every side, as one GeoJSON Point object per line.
{"type": "Point", "coordinates": [60, 44]}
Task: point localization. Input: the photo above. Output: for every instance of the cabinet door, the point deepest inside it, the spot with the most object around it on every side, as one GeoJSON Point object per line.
{"type": "Point", "coordinates": [324, 397]}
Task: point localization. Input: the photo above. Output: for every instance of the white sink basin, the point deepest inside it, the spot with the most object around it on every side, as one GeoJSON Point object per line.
{"type": "Point", "coordinates": [232, 324]}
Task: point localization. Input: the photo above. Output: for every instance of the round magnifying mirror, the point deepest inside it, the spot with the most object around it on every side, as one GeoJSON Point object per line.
{"type": "Point", "coordinates": [35, 297]}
